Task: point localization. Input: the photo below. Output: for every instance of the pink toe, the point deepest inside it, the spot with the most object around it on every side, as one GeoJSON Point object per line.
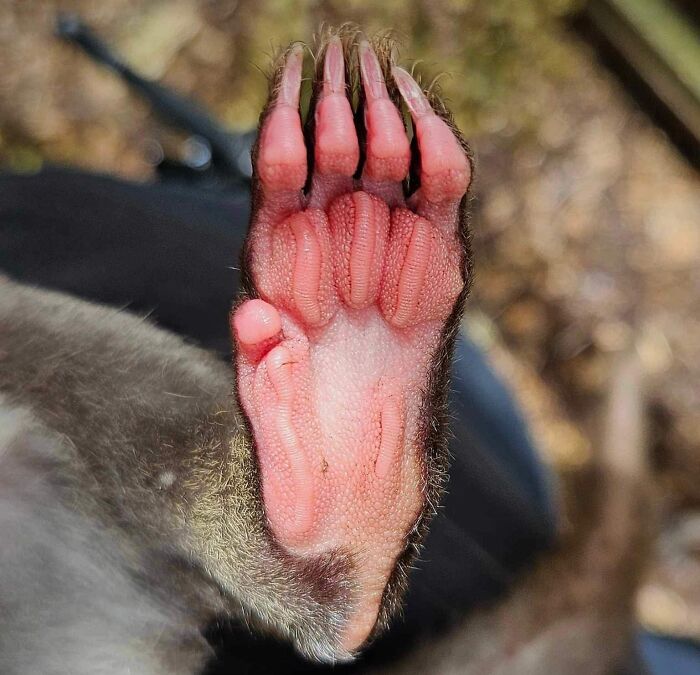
{"type": "Point", "coordinates": [337, 148]}
{"type": "Point", "coordinates": [388, 150]}
{"type": "Point", "coordinates": [256, 321]}
{"type": "Point", "coordinates": [281, 162]}
{"type": "Point", "coordinates": [445, 170]}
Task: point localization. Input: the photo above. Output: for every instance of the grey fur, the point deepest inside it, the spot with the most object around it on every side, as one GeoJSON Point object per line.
{"type": "Point", "coordinates": [129, 517]}
{"type": "Point", "coordinates": [147, 477]}
{"type": "Point", "coordinates": [70, 600]}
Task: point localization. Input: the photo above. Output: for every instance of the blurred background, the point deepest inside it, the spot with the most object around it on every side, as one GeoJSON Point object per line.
{"type": "Point", "coordinates": [584, 119]}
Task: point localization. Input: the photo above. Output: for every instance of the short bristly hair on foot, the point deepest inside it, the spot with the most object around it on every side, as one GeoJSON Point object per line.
{"type": "Point", "coordinates": [346, 213]}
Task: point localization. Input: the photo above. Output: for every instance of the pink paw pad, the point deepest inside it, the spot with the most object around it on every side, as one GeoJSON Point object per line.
{"type": "Point", "coordinates": [296, 273]}
{"type": "Point", "coordinates": [290, 484]}
{"type": "Point", "coordinates": [422, 277]}
{"type": "Point", "coordinates": [355, 284]}
{"type": "Point", "coordinates": [359, 226]}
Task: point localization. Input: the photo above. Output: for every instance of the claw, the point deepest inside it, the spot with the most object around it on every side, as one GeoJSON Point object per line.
{"type": "Point", "coordinates": [334, 69]}
{"type": "Point", "coordinates": [388, 151]}
{"type": "Point", "coordinates": [290, 83]}
{"type": "Point", "coordinates": [372, 76]}
{"type": "Point", "coordinates": [445, 170]}
{"type": "Point", "coordinates": [411, 92]}
{"type": "Point", "coordinates": [281, 162]}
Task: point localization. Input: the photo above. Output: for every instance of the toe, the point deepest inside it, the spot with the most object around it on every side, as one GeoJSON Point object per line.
{"type": "Point", "coordinates": [445, 172]}
{"type": "Point", "coordinates": [387, 151]}
{"type": "Point", "coordinates": [257, 326]}
{"type": "Point", "coordinates": [281, 158]}
{"type": "Point", "coordinates": [337, 150]}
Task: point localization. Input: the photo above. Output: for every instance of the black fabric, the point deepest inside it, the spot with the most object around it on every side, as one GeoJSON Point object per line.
{"type": "Point", "coordinates": [165, 249]}
{"type": "Point", "coordinates": [171, 251]}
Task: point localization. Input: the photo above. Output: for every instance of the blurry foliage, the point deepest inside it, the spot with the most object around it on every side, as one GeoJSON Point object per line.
{"type": "Point", "coordinates": [56, 104]}
{"type": "Point", "coordinates": [482, 52]}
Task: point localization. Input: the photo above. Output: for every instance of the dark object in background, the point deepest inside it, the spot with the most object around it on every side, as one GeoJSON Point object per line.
{"type": "Point", "coordinates": [653, 46]}
{"type": "Point", "coordinates": [212, 149]}
{"type": "Point", "coordinates": [165, 249]}
{"type": "Point", "coordinates": [169, 251]}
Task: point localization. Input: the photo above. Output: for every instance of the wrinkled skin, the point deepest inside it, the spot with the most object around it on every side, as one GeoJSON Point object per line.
{"type": "Point", "coordinates": [352, 285]}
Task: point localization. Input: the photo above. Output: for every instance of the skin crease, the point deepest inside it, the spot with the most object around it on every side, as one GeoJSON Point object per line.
{"type": "Point", "coordinates": [335, 397]}
{"type": "Point", "coordinates": [133, 508]}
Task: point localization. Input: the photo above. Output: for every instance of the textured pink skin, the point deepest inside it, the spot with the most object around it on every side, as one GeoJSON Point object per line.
{"type": "Point", "coordinates": [256, 322]}
{"type": "Point", "coordinates": [282, 161]}
{"type": "Point", "coordinates": [355, 287]}
{"type": "Point", "coordinates": [337, 148]}
{"type": "Point", "coordinates": [388, 151]}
